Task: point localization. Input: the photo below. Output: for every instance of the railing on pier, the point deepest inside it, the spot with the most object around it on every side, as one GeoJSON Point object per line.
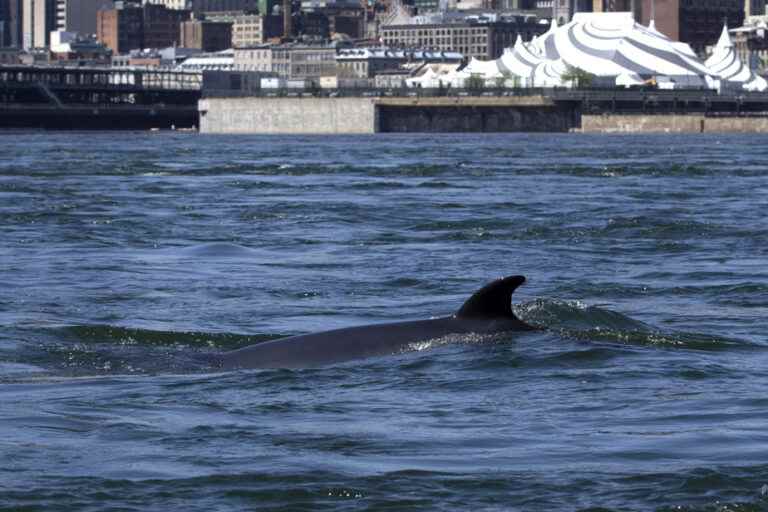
{"type": "Point", "coordinates": [102, 78]}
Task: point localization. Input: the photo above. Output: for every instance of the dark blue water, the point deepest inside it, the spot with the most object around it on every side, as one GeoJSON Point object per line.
{"type": "Point", "coordinates": [125, 258]}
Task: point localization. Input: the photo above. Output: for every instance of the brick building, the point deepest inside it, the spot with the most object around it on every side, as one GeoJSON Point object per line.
{"type": "Point", "coordinates": [130, 27]}
{"type": "Point", "coordinates": [695, 22]}
{"type": "Point", "coordinates": [205, 35]}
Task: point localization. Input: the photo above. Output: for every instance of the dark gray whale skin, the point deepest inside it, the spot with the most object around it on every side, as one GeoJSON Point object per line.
{"type": "Point", "coordinates": [488, 311]}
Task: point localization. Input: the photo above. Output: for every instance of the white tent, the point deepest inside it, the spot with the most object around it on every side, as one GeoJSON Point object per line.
{"type": "Point", "coordinates": [607, 45]}
{"type": "Point", "coordinates": [629, 79]}
{"type": "Point", "coordinates": [727, 66]}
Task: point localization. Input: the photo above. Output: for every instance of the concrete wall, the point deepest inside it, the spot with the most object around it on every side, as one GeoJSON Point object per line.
{"type": "Point", "coordinates": [736, 124]}
{"type": "Point", "coordinates": [300, 115]}
{"type": "Point", "coordinates": [693, 123]}
{"type": "Point", "coordinates": [409, 119]}
{"type": "Point", "coordinates": [288, 115]}
{"type": "Point", "coordinates": [369, 115]}
{"type": "Point", "coordinates": [641, 123]}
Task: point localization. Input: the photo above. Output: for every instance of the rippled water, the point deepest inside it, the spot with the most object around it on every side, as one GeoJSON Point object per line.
{"type": "Point", "coordinates": [126, 257]}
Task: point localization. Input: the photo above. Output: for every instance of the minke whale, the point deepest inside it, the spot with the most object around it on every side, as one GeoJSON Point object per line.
{"type": "Point", "coordinates": [488, 311]}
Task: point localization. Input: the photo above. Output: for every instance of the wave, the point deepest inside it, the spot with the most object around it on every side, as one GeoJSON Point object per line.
{"type": "Point", "coordinates": [576, 320]}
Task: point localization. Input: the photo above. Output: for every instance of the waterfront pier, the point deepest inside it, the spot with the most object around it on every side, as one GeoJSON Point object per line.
{"type": "Point", "coordinates": [97, 98]}
{"type": "Point", "coordinates": [500, 110]}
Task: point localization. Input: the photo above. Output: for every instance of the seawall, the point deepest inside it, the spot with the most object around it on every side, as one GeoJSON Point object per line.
{"type": "Point", "coordinates": [672, 123]}
{"type": "Point", "coordinates": [308, 114]}
{"type": "Point", "coordinates": [353, 115]}
{"type": "Point", "coordinates": [288, 115]}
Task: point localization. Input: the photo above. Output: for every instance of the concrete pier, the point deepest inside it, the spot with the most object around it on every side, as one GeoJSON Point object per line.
{"type": "Point", "coordinates": [613, 111]}
{"type": "Point", "coordinates": [288, 115]}
{"type": "Point", "coordinates": [306, 115]}
{"type": "Point", "coordinates": [672, 123]}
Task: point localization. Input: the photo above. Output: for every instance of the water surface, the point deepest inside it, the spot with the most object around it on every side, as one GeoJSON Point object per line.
{"type": "Point", "coordinates": [126, 258]}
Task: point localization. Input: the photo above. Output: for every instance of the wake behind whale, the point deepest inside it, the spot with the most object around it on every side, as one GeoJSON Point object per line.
{"type": "Point", "coordinates": [488, 311]}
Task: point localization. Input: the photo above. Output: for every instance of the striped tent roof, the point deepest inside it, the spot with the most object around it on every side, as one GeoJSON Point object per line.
{"type": "Point", "coordinates": [612, 44]}
{"type": "Point", "coordinates": [725, 63]}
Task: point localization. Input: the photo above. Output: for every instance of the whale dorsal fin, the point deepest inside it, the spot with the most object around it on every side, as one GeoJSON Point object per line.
{"type": "Point", "coordinates": [493, 300]}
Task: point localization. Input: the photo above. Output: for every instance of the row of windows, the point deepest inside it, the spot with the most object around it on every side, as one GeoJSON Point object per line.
{"type": "Point", "coordinates": [434, 32]}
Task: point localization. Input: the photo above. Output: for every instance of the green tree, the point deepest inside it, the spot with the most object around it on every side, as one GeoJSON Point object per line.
{"type": "Point", "coordinates": [475, 82]}
{"type": "Point", "coordinates": [577, 76]}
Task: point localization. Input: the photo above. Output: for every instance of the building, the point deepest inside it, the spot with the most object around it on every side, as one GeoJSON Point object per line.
{"type": "Point", "coordinates": [370, 62]}
{"type": "Point", "coordinates": [563, 10]}
{"type": "Point", "coordinates": [10, 23]}
{"type": "Point", "coordinates": [79, 15]}
{"type": "Point", "coordinates": [754, 8]}
{"type": "Point", "coordinates": [325, 22]}
{"type": "Point", "coordinates": [304, 61]}
{"type": "Point", "coordinates": [255, 58]}
{"type": "Point", "coordinates": [121, 29]}
{"type": "Point", "coordinates": [10, 56]}
{"type": "Point", "coordinates": [203, 6]}
{"type": "Point", "coordinates": [179, 5]}
{"type": "Point", "coordinates": [697, 23]}
{"type": "Point", "coordinates": [483, 37]}
{"type": "Point", "coordinates": [153, 58]}
{"type": "Point", "coordinates": [218, 61]}
{"type": "Point", "coordinates": [38, 20]}
{"type": "Point", "coordinates": [293, 61]}
{"type": "Point", "coordinates": [5, 9]}
{"type": "Point", "coordinates": [254, 29]}
{"type": "Point", "coordinates": [13, 25]}
{"type": "Point", "coordinates": [269, 7]}
{"type": "Point", "coordinates": [129, 27]}
{"type": "Point", "coordinates": [751, 43]}
{"type": "Point", "coordinates": [614, 5]}
{"type": "Point", "coordinates": [161, 26]}
{"type": "Point", "coordinates": [205, 35]}
{"type": "Point", "coordinates": [71, 47]}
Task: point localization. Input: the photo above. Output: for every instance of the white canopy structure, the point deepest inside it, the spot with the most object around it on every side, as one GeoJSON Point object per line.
{"type": "Point", "coordinates": [437, 75]}
{"type": "Point", "coordinates": [613, 44]}
{"type": "Point", "coordinates": [727, 66]}
{"type": "Point", "coordinates": [615, 49]}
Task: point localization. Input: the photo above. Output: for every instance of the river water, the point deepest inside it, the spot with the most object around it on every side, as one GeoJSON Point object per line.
{"type": "Point", "coordinates": [126, 258]}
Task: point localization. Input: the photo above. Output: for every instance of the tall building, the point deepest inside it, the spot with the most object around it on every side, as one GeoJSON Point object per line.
{"type": "Point", "coordinates": [120, 29]}
{"type": "Point", "coordinates": [4, 14]}
{"type": "Point", "coordinates": [13, 24]}
{"type": "Point", "coordinates": [79, 15]}
{"type": "Point", "coordinates": [754, 8]}
{"type": "Point", "coordinates": [207, 36]}
{"type": "Point", "coordinates": [130, 27]}
{"type": "Point", "coordinates": [161, 26]}
{"type": "Point", "coordinates": [697, 23]}
{"type": "Point", "coordinates": [38, 21]}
